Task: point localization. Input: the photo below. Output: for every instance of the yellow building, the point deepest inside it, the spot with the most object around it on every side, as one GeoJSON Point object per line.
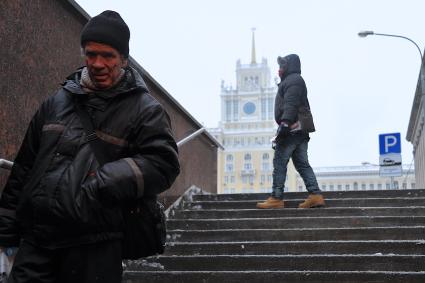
{"type": "Point", "coordinates": [247, 125]}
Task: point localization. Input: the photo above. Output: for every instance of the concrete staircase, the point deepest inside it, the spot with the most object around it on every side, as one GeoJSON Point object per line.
{"type": "Point", "coordinates": [361, 236]}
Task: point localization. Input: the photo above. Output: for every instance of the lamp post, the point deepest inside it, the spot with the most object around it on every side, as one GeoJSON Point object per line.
{"type": "Point", "coordinates": [421, 73]}
{"type": "Point", "coordinates": [369, 32]}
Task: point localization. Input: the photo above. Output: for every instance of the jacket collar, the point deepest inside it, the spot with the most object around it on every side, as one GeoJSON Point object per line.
{"type": "Point", "coordinates": [131, 81]}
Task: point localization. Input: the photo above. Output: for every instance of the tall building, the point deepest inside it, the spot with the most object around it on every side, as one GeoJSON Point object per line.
{"type": "Point", "coordinates": [245, 130]}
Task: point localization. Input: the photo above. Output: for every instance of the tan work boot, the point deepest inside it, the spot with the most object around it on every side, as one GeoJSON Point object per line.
{"type": "Point", "coordinates": [271, 202]}
{"type": "Point", "coordinates": [313, 201]}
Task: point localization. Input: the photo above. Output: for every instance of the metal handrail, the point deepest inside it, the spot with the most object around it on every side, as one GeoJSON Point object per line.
{"type": "Point", "coordinates": [6, 164]}
{"type": "Point", "coordinates": [190, 137]}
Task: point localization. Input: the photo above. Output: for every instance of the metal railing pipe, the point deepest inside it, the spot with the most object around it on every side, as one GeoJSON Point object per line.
{"type": "Point", "coordinates": [6, 164]}
{"type": "Point", "coordinates": [190, 137]}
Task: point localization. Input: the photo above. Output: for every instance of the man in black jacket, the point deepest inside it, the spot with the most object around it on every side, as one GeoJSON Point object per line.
{"type": "Point", "coordinates": [292, 139]}
{"type": "Point", "coordinates": [63, 206]}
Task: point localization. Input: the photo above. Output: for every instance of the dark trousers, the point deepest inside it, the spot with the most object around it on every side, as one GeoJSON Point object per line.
{"type": "Point", "coordinates": [295, 147]}
{"type": "Point", "coordinates": [99, 262]}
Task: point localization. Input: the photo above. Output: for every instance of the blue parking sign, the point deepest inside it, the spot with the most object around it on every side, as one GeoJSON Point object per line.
{"type": "Point", "coordinates": [389, 143]}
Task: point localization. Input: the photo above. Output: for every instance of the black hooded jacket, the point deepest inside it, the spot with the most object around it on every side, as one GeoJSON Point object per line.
{"type": "Point", "coordinates": [77, 201]}
{"type": "Point", "coordinates": [292, 91]}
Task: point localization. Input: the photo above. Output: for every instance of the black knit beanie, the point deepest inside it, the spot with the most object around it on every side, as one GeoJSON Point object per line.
{"type": "Point", "coordinates": [108, 28]}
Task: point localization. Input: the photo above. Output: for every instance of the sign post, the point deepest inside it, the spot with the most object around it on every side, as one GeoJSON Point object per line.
{"type": "Point", "coordinates": [390, 156]}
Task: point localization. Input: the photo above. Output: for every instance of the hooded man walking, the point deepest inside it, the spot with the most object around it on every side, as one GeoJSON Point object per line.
{"type": "Point", "coordinates": [62, 205]}
{"type": "Point", "coordinates": [292, 135]}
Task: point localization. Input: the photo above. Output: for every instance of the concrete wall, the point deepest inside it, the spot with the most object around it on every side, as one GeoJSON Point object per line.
{"type": "Point", "coordinates": [40, 47]}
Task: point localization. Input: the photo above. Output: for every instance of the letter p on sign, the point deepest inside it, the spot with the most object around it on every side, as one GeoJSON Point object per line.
{"type": "Point", "coordinates": [389, 143]}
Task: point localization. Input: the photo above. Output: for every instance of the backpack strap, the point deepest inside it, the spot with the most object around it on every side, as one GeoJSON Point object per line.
{"type": "Point", "coordinates": [91, 136]}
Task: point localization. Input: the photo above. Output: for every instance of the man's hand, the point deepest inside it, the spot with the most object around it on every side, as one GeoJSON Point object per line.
{"type": "Point", "coordinates": [283, 130]}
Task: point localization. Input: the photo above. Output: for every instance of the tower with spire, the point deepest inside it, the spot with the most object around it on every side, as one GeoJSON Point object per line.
{"type": "Point", "coordinates": [246, 128]}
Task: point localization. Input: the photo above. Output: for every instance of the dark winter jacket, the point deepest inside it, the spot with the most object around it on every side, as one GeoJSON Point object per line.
{"type": "Point", "coordinates": [77, 201]}
{"type": "Point", "coordinates": [292, 91]}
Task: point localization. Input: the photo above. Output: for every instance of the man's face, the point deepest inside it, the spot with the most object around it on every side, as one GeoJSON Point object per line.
{"type": "Point", "coordinates": [104, 64]}
{"type": "Point", "coordinates": [280, 72]}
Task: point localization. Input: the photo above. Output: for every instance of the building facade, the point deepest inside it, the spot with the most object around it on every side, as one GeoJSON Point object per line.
{"type": "Point", "coordinates": [415, 130]}
{"type": "Point", "coordinates": [356, 178]}
{"type": "Point", "coordinates": [246, 129]}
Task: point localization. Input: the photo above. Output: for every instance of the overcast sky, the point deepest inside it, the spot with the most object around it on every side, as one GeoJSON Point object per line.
{"type": "Point", "coordinates": [358, 87]}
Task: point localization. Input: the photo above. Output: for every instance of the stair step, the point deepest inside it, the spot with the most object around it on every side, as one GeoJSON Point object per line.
{"type": "Point", "coordinates": [361, 236]}
{"type": "Point", "coordinates": [293, 203]}
{"type": "Point", "coordinates": [318, 234]}
{"type": "Point", "coordinates": [296, 247]}
{"type": "Point", "coordinates": [406, 263]}
{"type": "Point", "coordinates": [272, 276]}
{"type": "Point", "coordinates": [302, 195]}
{"type": "Point", "coordinates": [295, 222]}
{"type": "Point", "coordinates": [297, 212]}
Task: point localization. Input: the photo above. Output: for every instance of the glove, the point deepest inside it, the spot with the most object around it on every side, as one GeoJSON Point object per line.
{"type": "Point", "coordinates": [273, 141]}
{"type": "Point", "coordinates": [283, 130]}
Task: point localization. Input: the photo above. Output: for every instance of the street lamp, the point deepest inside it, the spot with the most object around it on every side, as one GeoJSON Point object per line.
{"type": "Point", "coordinates": [421, 73]}
{"type": "Point", "coordinates": [370, 32]}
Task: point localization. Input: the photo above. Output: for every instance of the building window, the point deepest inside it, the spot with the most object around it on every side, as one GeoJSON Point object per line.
{"type": "Point", "coordinates": [266, 156]}
{"type": "Point", "coordinates": [404, 186]}
{"type": "Point", "coordinates": [229, 158]}
{"type": "Point", "coordinates": [355, 186]}
{"type": "Point", "coordinates": [387, 186]}
{"type": "Point", "coordinates": [347, 187]}
{"type": "Point", "coordinates": [412, 185]}
{"type": "Point", "coordinates": [265, 166]}
{"type": "Point", "coordinates": [270, 108]}
{"type": "Point", "coordinates": [229, 167]}
{"type": "Point", "coordinates": [395, 185]}
{"type": "Point", "coordinates": [263, 179]}
{"type": "Point", "coordinates": [244, 179]}
{"type": "Point", "coordinates": [363, 186]}
{"type": "Point", "coordinates": [228, 110]}
{"type": "Point", "coordinates": [339, 187]}
{"type": "Point", "coordinates": [226, 179]}
{"type": "Point", "coordinates": [247, 166]}
{"type": "Point", "coordinates": [263, 109]}
{"type": "Point", "coordinates": [379, 186]}
{"type": "Point", "coordinates": [371, 187]}
{"type": "Point", "coordinates": [323, 187]}
{"type": "Point", "coordinates": [331, 187]}
{"type": "Point", "coordinates": [235, 110]}
{"type": "Point", "coordinates": [232, 179]}
{"type": "Point", "coordinates": [269, 178]}
{"type": "Point", "coordinates": [247, 157]}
